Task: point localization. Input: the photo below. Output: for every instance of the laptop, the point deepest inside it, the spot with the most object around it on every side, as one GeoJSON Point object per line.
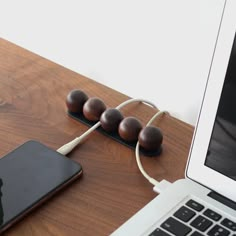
{"type": "Point", "coordinates": [204, 203]}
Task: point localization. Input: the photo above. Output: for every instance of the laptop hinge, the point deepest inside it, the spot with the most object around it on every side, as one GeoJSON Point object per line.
{"type": "Point", "coordinates": [223, 200]}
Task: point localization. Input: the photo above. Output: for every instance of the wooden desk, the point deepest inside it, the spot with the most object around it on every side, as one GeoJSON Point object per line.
{"type": "Point", "coordinates": [32, 106]}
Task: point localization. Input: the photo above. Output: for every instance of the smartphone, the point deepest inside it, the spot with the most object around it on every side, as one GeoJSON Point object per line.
{"type": "Point", "coordinates": [29, 175]}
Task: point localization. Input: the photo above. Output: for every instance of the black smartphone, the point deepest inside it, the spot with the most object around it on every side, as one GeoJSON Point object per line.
{"type": "Point", "coordinates": [29, 175]}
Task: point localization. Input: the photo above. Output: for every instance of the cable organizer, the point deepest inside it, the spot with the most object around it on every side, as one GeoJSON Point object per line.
{"type": "Point", "coordinates": [114, 135]}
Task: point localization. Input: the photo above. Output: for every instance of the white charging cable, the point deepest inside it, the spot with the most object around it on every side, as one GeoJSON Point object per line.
{"type": "Point", "coordinates": [68, 147]}
{"type": "Point", "coordinates": [158, 186]}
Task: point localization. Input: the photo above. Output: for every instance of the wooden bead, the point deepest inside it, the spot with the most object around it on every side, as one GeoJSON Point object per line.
{"type": "Point", "coordinates": [110, 119]}
{"type": "Point", "coordinates": [129, 129]}
{"type": "Point", "coordinates": [75, 101]}
{"type": "Point", "coordinates": [150, 138]}
{"type": "Point", "coordinates": [93, 108]}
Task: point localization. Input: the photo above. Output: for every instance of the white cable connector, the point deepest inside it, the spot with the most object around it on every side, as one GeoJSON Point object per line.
{"type": "Point", "coordinates": [161, 186]}
{"type": "Point", "coordinates": [68, 147]}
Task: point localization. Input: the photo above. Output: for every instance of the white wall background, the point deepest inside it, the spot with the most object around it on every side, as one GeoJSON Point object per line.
{"type": "Point", "coordinates": [154, 49]}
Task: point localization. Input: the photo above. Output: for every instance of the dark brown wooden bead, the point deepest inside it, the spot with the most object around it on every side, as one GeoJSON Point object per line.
{"type": "Point", "coordinates": [150, 138]}
{"type": "Point", "coordinates": [110, 119]}
{"type": "Point", "coordinates": [75, 101]}
{"type": "Point", "coordinates": [129, 129]}
{"type": "Point", "coordinates": [93, 108]}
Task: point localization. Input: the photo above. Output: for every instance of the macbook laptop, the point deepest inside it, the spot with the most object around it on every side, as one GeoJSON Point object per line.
{"type": "Point", "coordinates": [204, 203]}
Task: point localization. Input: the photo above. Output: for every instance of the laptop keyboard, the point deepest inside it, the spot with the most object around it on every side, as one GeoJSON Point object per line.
{"type": "Point", "coordinates": [194, 219]}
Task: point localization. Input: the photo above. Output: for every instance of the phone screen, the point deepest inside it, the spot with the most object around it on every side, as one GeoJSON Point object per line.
{"type": "Point", "coordinates": [29, 174]}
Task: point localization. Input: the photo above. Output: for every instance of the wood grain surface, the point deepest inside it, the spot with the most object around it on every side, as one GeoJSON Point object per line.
{"type": "Point", "coordinates": [111, 190]}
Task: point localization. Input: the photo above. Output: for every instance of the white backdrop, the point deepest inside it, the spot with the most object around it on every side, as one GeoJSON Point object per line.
{"type": "Point", "coordinates": [154, 49]}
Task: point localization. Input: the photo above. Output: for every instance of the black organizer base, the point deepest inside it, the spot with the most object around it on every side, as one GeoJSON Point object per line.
{"type": "Point", "coordinates": [113, 135]}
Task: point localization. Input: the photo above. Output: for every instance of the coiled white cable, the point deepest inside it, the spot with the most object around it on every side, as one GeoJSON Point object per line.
{"type": "Point", "coordinates": [68, 147]}
{"type": "Point", "coordinates": [140, 166]}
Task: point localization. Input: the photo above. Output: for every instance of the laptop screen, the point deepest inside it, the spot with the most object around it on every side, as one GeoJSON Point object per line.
{"type": "Point", "coordinates": [221, 155]}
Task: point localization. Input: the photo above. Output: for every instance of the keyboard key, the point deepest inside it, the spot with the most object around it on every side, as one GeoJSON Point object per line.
{"type": "Point", "coordinates": [217, 230]}
{"type": "Point", "coordinates": [175, 227]}
{"type": "Point", "coordinates": [229, 224]}
{"type": "Point", "coordinates": [184, 214]}
{"type": "Point", "coordinates": [159, 232]}
{"type": "Point", "coordinates": [195, 205]}
{"type": "Point", "coordinates": [196, 234]}
{"type": "Point", "coordinates": [201, 223]}
{"type": "Point", "coordinates": [212, 214]}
